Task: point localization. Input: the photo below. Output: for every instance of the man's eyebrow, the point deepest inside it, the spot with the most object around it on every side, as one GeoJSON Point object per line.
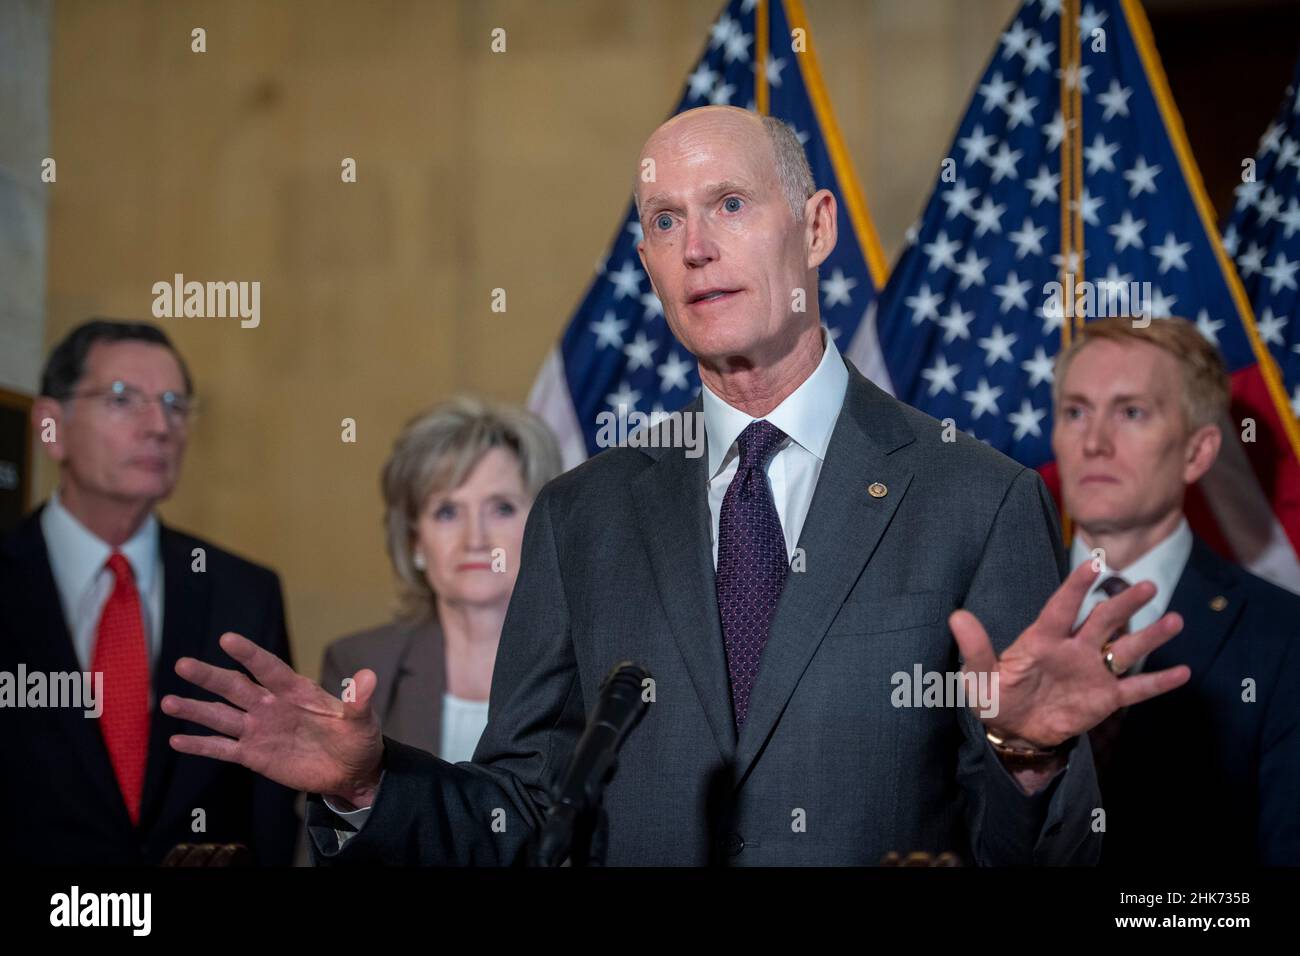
{"type": "Point", "coordinates": [711, 189]}
{"type": "Point", "coordinates": [1152, 397]}
{"type": "Point", "coordinates": [1126, 397]}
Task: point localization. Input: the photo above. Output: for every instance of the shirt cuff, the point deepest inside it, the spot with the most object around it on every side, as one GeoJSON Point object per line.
{"type": "Point", "coordinates": [356, 819]}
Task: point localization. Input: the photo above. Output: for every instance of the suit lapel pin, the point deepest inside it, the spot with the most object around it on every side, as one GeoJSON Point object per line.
{"type": "Point", "coordinates": [877, 490]}
{"type": "Point", "coordinates": [1218, 602]}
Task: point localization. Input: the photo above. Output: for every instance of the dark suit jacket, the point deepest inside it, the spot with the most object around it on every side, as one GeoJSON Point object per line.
{"type": "Point", "coordinates": [617, 565]}
{"type": "Point", "coordinates": [59, 800]}
{"type": "Point", "coordinates": [1201, 776]}
{"type": "Point", "coordinates": [408, 659]}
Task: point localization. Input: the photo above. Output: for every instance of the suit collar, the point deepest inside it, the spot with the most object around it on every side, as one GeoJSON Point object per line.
{"type": "Point", "coordinates": [672, 512]}
{"type": "Point", "coordinates": [1210, 599]}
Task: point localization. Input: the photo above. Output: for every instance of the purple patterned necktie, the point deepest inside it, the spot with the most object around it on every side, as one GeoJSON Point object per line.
{"type": "Point", "coordinates": [752, 562]}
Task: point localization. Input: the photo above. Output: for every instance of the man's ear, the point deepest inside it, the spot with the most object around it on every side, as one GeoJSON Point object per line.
{"type": "Point", "coordinates": [47, 425]}
{"type": "Point", "coordinates": [821, 226]}
{"type": "Point", "coordinates": [1202, 450]}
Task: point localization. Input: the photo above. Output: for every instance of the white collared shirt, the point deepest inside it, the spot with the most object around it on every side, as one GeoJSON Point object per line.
{"type": "Point", "coordinates": [1162, 565]}
{"type": "Point", "coordinates": [807, 416]}
{"type": "Point", "coordinates": [78, 561]}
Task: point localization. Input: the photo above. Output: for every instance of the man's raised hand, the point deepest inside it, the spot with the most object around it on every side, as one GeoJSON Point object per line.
{"type": "Point", "coordinates": [1054, 684]}
{"type": "Point", "coordinates": [283, 726]}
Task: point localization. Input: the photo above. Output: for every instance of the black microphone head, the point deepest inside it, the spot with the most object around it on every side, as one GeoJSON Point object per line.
{"type": "Point", "coordinates": [626, 674]}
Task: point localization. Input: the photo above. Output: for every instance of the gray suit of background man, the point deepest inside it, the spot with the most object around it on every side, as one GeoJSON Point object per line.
{"type": "Point", "coordinates": [896, 530]}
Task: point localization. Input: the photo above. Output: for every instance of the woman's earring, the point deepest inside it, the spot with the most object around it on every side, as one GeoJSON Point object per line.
{"type": "Point", "coordinates": [418, 560]}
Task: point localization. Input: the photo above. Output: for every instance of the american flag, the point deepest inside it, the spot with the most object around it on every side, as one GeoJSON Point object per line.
{"type": "Point", "coordinates": [1263, 237]}
{"type": "Point", "coordinates": [617, 351]}
{"type": "Point", "coordinates": [968, 324]}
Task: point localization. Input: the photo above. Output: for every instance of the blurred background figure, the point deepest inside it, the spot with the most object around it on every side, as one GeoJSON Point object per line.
{"type": "Point", "coordinates": [457, 490]}
{"type": "Point", "coordinates": [1208, 774]}
{"type": "Point", "coordinates": [92, 581]}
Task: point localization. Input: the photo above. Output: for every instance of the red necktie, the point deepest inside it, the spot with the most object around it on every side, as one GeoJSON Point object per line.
{"type": "Point", "coordinates": [122, 656]}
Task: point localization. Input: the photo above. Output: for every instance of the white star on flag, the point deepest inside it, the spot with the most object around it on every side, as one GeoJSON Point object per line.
{"type": "Point", "coordinates": [1141, 178]}
{"type": "Point", "coordinates": [1026, 420]}
{"type": "Point", "coordinates": [984, 398]}
{"type": "Point", "coordinates": [835, 290]}
{"type": "Point", "coordinates": [997, 346]}
{"type": "Point", "coordinates": [1171, 254]}
{"type": "Point", "coordinates": [627, 280]}
{"type": "Point", "coordinates": [1028, 239]}
{"type": "Point", "coordinates": [1127, 232]}
{"type": "Point", "coordinates": [639, 352]}
{"type": "Point", "coordinates": [624, 399]}
{"type": "Point", "coordinates": [1115, 100]}
{"type": "Point", "coordinates": [672, 372]}
{"type": "Point", "coordinates": [924, 305]}
{"type": "Point", "coordinates": [941, 376]}
{"type": "Point", "coordinates": [609, 331]}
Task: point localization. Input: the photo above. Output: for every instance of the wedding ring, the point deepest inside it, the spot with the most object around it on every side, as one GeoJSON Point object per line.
{"type": "Point", "coordinates": [1108, 656]}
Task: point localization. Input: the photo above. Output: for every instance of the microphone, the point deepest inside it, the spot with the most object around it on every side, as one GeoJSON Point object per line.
{"type": "Point", "coordinates": [576, 798]}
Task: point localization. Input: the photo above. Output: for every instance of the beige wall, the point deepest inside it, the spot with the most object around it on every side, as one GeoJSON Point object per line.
{"type": "Point", "coordinates": [475, 171]}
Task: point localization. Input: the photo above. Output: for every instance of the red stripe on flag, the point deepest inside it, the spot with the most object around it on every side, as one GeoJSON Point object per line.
{"type": "Point", "coordinates": [1270, 454]}
{"type": "Point", "coordinates": [1201, 517]}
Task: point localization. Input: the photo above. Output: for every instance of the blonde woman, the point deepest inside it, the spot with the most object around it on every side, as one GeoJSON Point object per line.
{"type": "Point", "coordinates": [457, 490]}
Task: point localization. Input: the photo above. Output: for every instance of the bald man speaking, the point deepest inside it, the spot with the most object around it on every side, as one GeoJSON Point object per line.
{"type": "Point", "coordinates": [811, 596]}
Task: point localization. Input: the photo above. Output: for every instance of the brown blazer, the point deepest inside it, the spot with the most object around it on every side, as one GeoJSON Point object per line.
{"type": "Point", "coordinates": [409, 661]}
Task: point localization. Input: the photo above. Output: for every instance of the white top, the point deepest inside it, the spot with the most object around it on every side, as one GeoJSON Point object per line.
{"type": "Point", "coordinates": [1162, 565]}
{"type": "Point", "coordinates": [807, 416]}
{"type": "Point", "coordinates": [78, 561]}
{"type": "Point", "coordinates": [462, 725]}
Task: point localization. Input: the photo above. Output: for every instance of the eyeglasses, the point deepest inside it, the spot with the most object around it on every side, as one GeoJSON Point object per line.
{"type": "Point", "coordinates": [127, 401]}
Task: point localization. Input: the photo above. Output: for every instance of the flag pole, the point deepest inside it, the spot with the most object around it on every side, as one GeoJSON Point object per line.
{"type": "Point", "coordinates": [850, 187]}
{"type": "Point", "coordinates": [1070, 189]}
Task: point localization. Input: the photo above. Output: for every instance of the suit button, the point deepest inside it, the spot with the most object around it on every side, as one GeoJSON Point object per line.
{"type": "Point", "coordinates": [732, 844]}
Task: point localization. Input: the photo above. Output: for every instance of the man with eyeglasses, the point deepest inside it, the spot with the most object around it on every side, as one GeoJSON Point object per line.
{"type": "Point", "coordinates": [93, 583]}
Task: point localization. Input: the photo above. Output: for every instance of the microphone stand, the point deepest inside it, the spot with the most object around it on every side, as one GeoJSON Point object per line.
{"type": "Point", "coordinates": [575, 831]}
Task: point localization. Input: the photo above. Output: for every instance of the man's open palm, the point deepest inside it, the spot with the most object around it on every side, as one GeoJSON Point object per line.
{"type": "Point", "coordinates": [283, 726]}
{"type": "Point", "coordinates": [1053, 684]}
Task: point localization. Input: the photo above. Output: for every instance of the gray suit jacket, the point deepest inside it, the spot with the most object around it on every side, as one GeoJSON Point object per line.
{"type": "Point", "coordinates": [617, 565]}
{"type": "Point", "coordinates": [408, 660]}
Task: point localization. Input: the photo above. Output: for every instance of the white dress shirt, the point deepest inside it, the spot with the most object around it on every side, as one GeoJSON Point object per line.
{"type": "Point", "coordinates": [462, 725]}
{"type": "Point", "coordinates": [807, 416]}
{"type": "Point", "coordinates": [79, 563]}
{"type": "Point", "coordinates": [1162, 565]}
